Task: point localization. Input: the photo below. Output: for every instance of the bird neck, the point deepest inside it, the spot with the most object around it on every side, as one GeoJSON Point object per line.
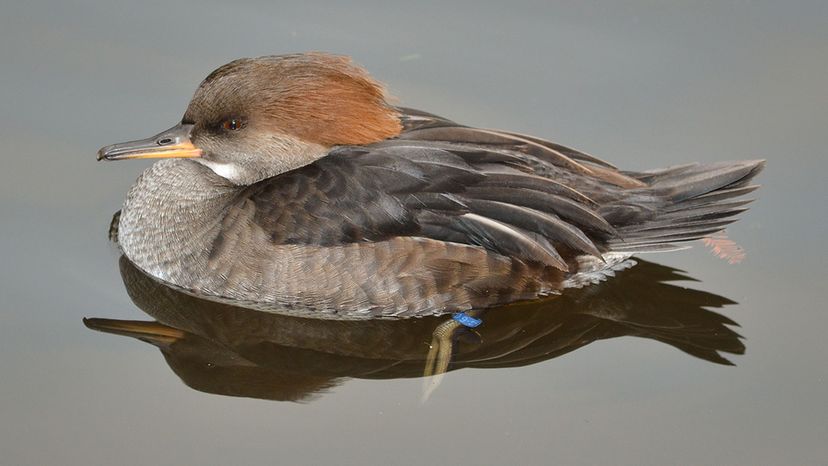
{"type": "Point", "coordinates": [171, 216]}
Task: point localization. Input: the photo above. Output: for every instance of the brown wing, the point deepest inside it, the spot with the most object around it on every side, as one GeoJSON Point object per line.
{"type": "Point", "coordinates": [506, 201]}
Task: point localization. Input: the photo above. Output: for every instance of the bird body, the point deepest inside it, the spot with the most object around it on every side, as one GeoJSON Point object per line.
{"type": "Point", "coordinates": [295, 187]}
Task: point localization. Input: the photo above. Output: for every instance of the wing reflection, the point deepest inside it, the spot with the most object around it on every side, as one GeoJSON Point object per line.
{"type": "Point", "coordinates": [228, 350]}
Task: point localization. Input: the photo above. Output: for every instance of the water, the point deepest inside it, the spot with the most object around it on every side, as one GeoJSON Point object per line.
{"type": "Point", "coordinates": [643, 85]}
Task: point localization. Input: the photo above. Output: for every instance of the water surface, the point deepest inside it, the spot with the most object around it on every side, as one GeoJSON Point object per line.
{"type": "Point", "coordinates": [592, 378]}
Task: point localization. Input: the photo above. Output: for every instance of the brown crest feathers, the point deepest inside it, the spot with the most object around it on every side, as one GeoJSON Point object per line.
{"type": "Point", "coordinates": [318, 97]}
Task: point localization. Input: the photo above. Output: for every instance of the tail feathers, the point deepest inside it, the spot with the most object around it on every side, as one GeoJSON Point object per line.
{"type": "Point", "coordinates": [690, 181]}
{"type": "Point", "coordinates": [690, 202]}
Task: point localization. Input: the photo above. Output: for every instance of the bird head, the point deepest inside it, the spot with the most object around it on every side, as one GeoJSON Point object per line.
{"type": "Point", "coordinates": [255, 118]}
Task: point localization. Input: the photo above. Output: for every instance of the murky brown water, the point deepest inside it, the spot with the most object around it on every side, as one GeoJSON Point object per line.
{"type": "Point", "coordinates": [630, 372]}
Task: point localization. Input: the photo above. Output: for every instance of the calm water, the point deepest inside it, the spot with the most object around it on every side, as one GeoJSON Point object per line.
{"type": "Point", "coordinates": [630, 372]}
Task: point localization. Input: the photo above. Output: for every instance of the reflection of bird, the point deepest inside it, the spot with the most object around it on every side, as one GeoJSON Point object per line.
{"type": "Point", "coordinates": [292, 184]}
{"type": "Point", "coordinates": [219, 348]}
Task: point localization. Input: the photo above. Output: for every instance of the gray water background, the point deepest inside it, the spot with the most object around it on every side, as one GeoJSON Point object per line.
{"type": "Point", "coordinates": [642, 84]}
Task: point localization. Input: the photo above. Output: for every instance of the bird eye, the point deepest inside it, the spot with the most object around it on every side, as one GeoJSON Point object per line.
{"type": "Point", "coordinates": [232, 124]}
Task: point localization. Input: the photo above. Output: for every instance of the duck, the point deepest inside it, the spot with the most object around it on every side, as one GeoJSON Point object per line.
{"type": "Point", "coordinates": [294, 184]}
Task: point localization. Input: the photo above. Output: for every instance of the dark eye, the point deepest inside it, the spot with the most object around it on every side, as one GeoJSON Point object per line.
{"type": "Point", "coordinates": [233, 124]}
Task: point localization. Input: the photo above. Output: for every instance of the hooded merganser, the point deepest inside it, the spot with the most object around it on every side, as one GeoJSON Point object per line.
{"type": "Point", "coordinates": [292, 185]}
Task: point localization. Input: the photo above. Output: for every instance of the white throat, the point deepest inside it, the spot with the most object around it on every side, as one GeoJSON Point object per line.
{"type": "Point", "coordinates": [228, 171]}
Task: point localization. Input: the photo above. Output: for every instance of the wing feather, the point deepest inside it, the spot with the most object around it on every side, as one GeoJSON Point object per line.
{"type": "Point", "coordinates": [513, 195]}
